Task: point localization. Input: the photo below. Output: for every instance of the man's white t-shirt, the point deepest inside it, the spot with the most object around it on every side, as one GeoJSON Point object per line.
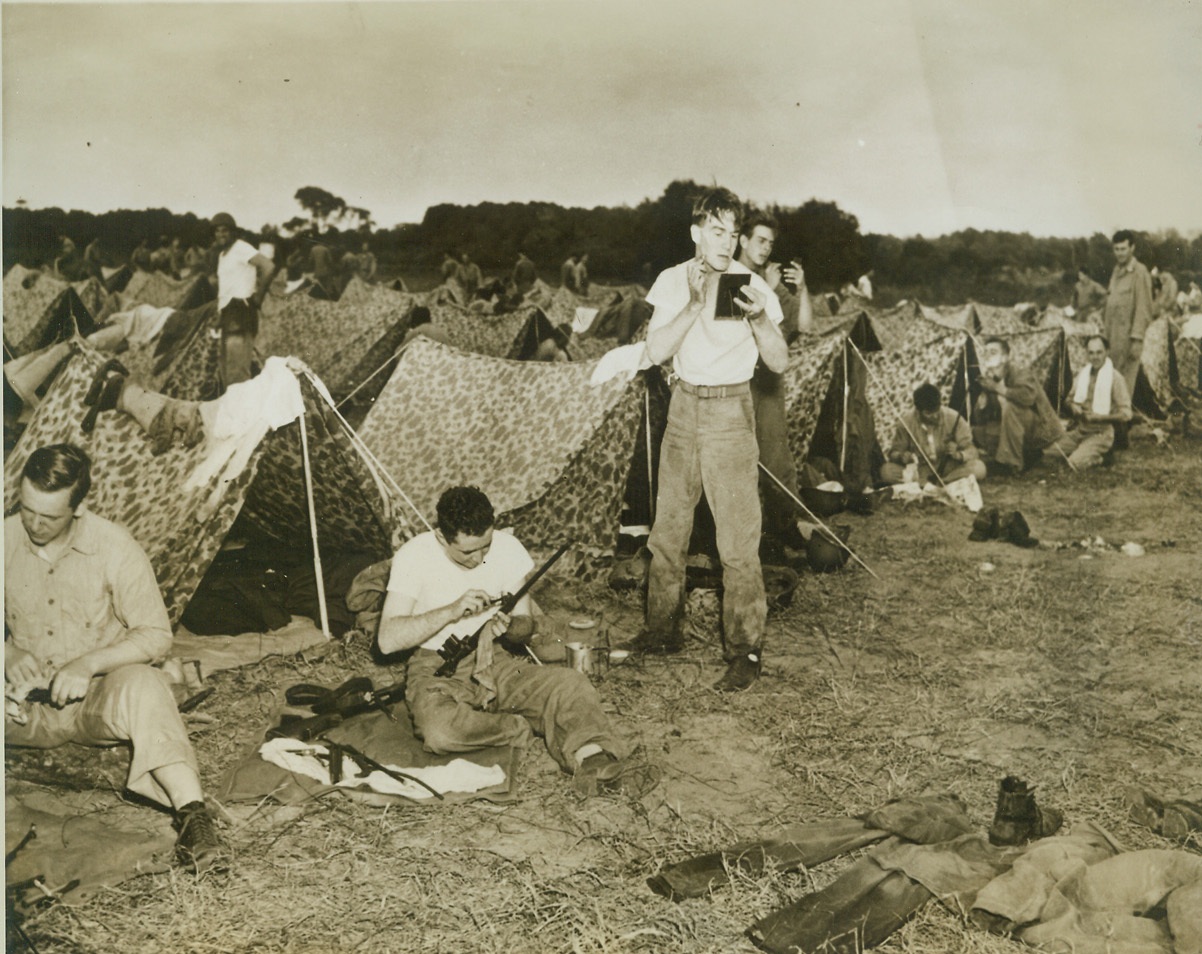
{"type": "Point", "coordinates": [236, 276]}
{"type": "Point", "coordinates": [422, 571]}
{"type": "Point", "coordinates": [715, 351]}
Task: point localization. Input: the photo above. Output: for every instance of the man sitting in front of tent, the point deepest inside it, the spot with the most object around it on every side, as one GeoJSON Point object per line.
{"type": "Point", "coordinates": [935, 438]}
{"type": "Point", "coordinates": [446, 582]}
{"type": "Point", "coordinates": [1100, 400]}
{"type": "Point", "coordinates": [1014, 415]}
{"type": "Point", "coordinates": [83, 618]}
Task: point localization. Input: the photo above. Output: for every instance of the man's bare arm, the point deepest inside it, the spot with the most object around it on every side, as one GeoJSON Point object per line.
{"type": "Point", "coordinates": [401, 629]}
{"type": "Point", "coordinates": [664, 341]}
{"type": "Point", "coordinates": [768, 339]}
{"type": "Point", "coordinates": [264, 272]}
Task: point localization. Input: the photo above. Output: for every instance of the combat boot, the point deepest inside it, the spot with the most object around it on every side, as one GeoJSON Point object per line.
{"type": "Point", "coordinates": [1018, 819]}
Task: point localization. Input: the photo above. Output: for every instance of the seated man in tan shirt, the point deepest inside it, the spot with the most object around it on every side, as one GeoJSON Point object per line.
{"type": "Point", "coordinates": [83, 619]}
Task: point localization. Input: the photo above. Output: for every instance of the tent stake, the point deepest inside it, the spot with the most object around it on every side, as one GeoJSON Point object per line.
{"type": "Point", "coordinates": [321, 583]}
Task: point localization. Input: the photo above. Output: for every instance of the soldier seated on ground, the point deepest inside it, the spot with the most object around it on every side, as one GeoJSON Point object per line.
{"type": "Point", "coordinates": [936, 439]}
{"type": "Point", "coordinates": [447, 582]}
{"type": "Point", "coordinates": [1014, 417]}
{"type": "Point", "coordinates": [1099, 401]}
{"type": "Point", "coordinates": [83, 619]}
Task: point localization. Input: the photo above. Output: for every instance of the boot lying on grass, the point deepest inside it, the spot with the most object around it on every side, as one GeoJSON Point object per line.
{"type": "Point", "coordinates": [1176, 819]}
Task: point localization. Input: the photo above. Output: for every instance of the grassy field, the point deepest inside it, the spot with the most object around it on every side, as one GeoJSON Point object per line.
{"type": "Point", "coordinates": [1079, 670]}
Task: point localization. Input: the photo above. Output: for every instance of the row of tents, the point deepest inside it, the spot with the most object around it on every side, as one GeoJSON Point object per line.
{"type": "Point", "coordinates": [560, 457]}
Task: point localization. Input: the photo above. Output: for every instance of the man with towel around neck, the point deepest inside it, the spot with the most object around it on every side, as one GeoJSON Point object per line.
{"type": "Point", "coordinates": [1100, 399]}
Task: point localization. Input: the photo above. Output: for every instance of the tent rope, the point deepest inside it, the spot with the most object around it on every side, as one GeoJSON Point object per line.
{"type": "Point", "coordinates": [362, 384]}
{"type": "Point", "coordinates": [902, 421]}
{"type": "Point", "coordinates": [809, 513]}
{"type": "Point", "coordinates": [321, 582]}
{"type": "Point", "coordinates": [372, 461]}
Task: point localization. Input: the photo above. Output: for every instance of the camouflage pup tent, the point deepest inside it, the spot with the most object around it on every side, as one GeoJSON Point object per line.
{"type": "Point", "coordinates": [497, 336]}
{"type": "Point", "coordinates": [38, 310]}
{"type": "Point", "coordinates": [551, 451]}
{"type": "Point", "coordinates": [343, 341]}
{"type": "Point", "coordinates": [182, 522]}
{"type": "Point", "coordinates": [162, 291]}
{"type": "Point", "coordinates": [948, 362]}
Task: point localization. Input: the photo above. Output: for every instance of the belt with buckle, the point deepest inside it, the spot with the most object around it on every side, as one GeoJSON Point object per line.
{"type": "Point", "coordinates": [713, 390]}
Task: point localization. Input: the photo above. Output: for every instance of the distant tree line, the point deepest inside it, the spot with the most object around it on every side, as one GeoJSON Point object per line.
{"type": "Point", "coordinates": [632, 243]}
{"type": "Point", "coordinates": [1005, 267]}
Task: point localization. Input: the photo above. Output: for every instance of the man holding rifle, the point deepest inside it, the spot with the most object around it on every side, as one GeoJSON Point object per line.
{"type": "Point", "coordinates": [445, 585]}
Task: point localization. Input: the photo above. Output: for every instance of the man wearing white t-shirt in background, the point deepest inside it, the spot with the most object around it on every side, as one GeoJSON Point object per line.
{"type": "Point", "coordinates": [243, 276]}
{"type": "Point", "coordinates": [710, 445]}
{"type": "Point", "coordinates": [446, 582]}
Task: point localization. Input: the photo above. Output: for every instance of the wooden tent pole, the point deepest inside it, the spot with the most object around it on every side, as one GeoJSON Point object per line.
{"type": "Point", "coordinates": [321, 583]}
{"type": "Point", "coordinates": [846, 393]}
{"type": "Point", "coordinates": [967, 395]}
{"type": "Point", "coordinates": [650, 466]}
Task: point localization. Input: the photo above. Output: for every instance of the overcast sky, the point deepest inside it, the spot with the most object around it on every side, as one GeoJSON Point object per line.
{"type": "Point", "coordinates": [1057, 118]}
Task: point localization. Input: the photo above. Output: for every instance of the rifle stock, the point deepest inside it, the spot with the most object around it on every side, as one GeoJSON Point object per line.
{"type": "Point", "coordinates": [455, 650]}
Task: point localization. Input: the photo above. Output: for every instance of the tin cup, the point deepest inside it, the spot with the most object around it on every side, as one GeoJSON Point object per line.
{"type": "Point", "coordinates": [579, 657]}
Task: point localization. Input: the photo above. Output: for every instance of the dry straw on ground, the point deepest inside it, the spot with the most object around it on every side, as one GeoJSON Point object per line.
{"type": "Point", "coordinates": [1081, 675]}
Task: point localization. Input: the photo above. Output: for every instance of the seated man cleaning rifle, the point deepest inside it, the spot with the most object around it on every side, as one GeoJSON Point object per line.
{"type": "Point", "coordinates": [445, 587]}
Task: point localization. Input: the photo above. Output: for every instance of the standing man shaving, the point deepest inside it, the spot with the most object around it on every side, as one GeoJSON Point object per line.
{"type": "Point", "coordinates": [757, 239]}
{"type": "Point", "coordinates": [1128, 307]}
{"type": "Point", "coordinates": [709, 445]}
{"type": "Point", "coordinates": [243, 276]}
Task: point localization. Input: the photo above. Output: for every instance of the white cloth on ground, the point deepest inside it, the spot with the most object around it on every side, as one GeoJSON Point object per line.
{"type": "Point", "coordinates": [458, 775]}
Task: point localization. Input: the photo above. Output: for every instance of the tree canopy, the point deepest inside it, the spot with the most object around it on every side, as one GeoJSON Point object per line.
{"type": "Point", "coordinates": [627, 243]}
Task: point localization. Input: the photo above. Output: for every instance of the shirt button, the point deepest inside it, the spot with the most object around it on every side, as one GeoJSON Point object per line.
{"type": "Point", "coordinates": [51, 602]}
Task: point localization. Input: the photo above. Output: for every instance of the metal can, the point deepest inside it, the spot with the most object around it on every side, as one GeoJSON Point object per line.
{"type": "Point", "coordinates": [580, 657]}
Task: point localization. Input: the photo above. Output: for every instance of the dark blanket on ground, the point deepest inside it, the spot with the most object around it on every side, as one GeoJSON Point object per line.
{"type": "Point", "coordinates": [260, 588]}
{"type": "Point", "coordinates": [83, 840]}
